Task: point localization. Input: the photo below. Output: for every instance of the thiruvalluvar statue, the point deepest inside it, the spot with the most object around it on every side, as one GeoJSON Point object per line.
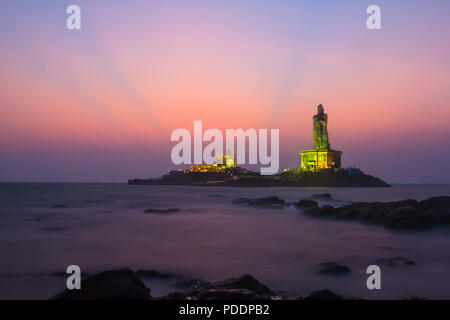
{"type": "Point", "coordinates": [320, 121]}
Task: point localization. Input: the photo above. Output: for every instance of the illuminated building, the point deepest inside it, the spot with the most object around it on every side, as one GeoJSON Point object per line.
{"type": "Point", "coordinates": [224, 162]}
{"type": "Point", "coordinates": [322, 157]}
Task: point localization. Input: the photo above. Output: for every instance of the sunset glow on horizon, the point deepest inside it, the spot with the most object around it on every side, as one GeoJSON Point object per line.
{"type": "Point", "coordinates": [99, 104]}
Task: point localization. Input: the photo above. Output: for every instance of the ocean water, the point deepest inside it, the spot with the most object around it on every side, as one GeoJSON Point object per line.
{"type": "Point", "coordinates": [102, 226]}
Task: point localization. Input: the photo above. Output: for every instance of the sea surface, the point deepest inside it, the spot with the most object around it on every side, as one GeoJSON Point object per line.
{"type": "Point", "coordinates": [102, 226]}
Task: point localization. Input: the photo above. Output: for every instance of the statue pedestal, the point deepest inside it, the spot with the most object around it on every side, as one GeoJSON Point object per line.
{"type": "Point", "coordinates": [314, 160]}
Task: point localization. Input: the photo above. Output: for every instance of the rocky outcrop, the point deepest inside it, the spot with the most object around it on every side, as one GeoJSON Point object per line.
{"type": "Point", "coordinates": [245, 287]}
{"type": "Point", "coordinates": [122, 284]}
{"type": "Point", "coordinates": [406, 214]}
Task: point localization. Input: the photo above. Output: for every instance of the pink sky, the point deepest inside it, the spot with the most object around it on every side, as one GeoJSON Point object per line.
{"type": "Point", "coordinates": [100, 104]}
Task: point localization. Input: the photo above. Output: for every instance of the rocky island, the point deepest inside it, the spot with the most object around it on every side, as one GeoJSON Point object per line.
{"type": "Point", "coordinates": [320, 167]}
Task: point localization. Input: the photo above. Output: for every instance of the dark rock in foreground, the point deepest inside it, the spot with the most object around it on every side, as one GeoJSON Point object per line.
{"type": "Point", "coordinates": [246, 281]}
{"type": "Point", "coordinates": [178, 281]}
{"type": "Point", "coordinates": [245, 287]}
{"type": "Point", "coordinates": [333, 268]}
{"type": "Point", "coordinates": [323, 295]}
{"type": "Point", "coordinates": [169, 210]}
{"type": "Point", "coordinates": [227, 294]}
{"type": "Point", "coordinates": [122, 284]}
{"type": "Point", "coordinates": [406, 214]}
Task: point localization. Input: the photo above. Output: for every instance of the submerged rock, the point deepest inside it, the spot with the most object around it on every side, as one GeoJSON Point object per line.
{"type": "Point", "coordinates": [333, 268]}
{"type": "Point", "coordinates": [122, 284]}
{"type": "Point", "coordinates": [268, 202]}
{"type": "Point", "coordinates": [169, 210]}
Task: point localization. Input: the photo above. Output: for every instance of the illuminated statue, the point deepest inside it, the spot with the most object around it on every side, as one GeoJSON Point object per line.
{"type": "Point", "coordinates": [320, 121]}
{"type": "Point", "coordinates": [322, 157]}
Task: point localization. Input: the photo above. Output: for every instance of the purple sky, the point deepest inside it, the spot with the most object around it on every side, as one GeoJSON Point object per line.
{"type": "Point", "coordinates": [100, 103]}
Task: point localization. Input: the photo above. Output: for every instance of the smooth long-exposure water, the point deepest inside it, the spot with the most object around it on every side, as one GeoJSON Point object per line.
{"type": "Point", "coordinates": [102, 226]}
